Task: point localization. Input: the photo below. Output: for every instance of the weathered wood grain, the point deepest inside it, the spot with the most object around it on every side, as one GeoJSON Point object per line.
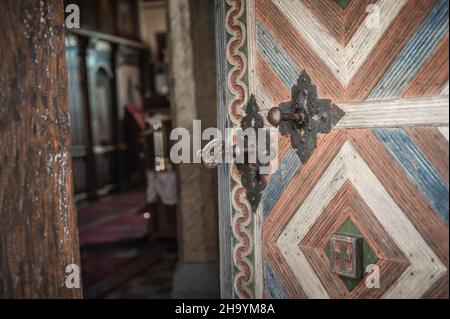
{"type": "Point", "coordinates": [433, 75]}
{"type": "Point", "coordinates": [425, 267]}
{"type": "Point", "coordinates": [270, 16]}
{"type": "Point", "coordinates": [330, 15]}
{"type": "Point", "coordinates": [396, 113]}
{"type": "Point", "coordinates": [344, 61]}
{"type": "Point", "coordinates": [404, 192]}
{"type": "Point", "coordinates": [291, 197]}
{"type": "Point", "coordinates": [349, 204]}
{"type": "Point", "coordinates": [349, 62]}
{"type": "Point", "coordinates": [387, 49]}
{"type": "Point", "coordinates": [353, 17]}
{"type": "Point", "coordinates": [439, 290]}
{"type": "Point", "coordinates": [417, 168]}
{"type": "Point", "coordinates": [283, 272]}
{"type": "Point", "coordinates": [434, 146]}
{"type": "Point", "coordinates": [38, 229]}
{"type": "Point", "coordinates": [273, 288]}
{"type": "Point", "coordinates": [224, 180]}
{"type": "Point", "coordinates": [414, 55]}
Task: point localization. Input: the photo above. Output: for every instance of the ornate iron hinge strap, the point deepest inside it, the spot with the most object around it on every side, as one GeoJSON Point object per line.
{"type": "Point", "coordinates": [253, 182]}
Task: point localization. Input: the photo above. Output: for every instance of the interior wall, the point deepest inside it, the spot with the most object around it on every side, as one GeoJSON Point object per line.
{"type": "Point", "coordinates": [193, 96]}
{"type": "Point", "coordinates": [193, 80]}
{"type": "Point", "coordinates": [153, 20]}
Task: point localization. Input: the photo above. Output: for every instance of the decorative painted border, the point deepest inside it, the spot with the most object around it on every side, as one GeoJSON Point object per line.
{"type": "Point", "coordinates": [237, 86]}
{"type": "Point", "coordinates": [235, 213]}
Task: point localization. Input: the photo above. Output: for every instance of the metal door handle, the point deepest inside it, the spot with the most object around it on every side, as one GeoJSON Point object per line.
{"type": "Point", "coordinates": [276, 116]}
{"type": "Point", "coordinates": [304, 117]}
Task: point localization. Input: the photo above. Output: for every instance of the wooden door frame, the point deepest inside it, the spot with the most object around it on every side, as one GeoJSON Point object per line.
{"type": "Point", "coordinates": [240, 245]}
{"type": "Point", "coordinates": [38, 233]}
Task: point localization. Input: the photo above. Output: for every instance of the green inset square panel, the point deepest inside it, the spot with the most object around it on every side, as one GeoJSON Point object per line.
{"type": "Point", "coordinates": [343, 3]}
{"type": "Point", "coordinates": [369, 257]}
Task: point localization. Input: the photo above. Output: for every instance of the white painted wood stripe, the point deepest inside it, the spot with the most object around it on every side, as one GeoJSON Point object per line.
{"type": "Point", "coordinates": [368, 35]}
{"type": "Point", "coordinates": [425, 267]}
{"type": "Point", "coordinates": [394, 113]}
{"type": "Point", "coordinates": [303, 271]}
{"type": "Point", "coordinates": [344, 62]}
{"type": "Point", "coordinates": [321, 195]}
{"type": "Point", "coordinates": [306, 24]}
{"type": "Point", "coordinates": [265, 101]}
{"type": "Point", "coordinates": [259, 218]}
{"type": "Point", "coordinates": [444, 131]}
{"type": "Point", "coordinates": [259, 263]}
{"type": "Point", "coordinates": [251, 44]}
{"type": "Point", "coordinates": [444, 90]}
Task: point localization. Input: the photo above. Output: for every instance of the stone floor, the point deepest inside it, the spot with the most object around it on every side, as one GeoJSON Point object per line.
{"type": "Point", "coordinates": [154, 283]}
{"type": "Point", "coordinates": [131, 271]}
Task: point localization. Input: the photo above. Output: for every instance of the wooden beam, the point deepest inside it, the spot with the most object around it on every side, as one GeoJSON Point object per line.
{"type": "Point", "coordinates": [108, 37]}
{"type": "Point", "coordinates": [38, 230]}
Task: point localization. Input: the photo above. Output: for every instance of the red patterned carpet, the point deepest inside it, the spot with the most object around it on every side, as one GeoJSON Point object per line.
{"type": "Point", "coordinates": [115, 253]}
{"type": "Point", "coordinates": [113, 219]}
{"type": "Point", "coordinates": [110, 207]}
{"type": "Point", "coordinates": [128, 227]}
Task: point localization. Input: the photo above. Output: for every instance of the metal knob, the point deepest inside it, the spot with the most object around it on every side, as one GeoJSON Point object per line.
{"type": "Point", "coordinates": [275, 116]}
{"type": "Point", "coordinates": [214, 153]}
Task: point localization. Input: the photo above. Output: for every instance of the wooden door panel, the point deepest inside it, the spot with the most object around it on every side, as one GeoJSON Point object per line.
{"type": "Point", "coordinates": [291, 38]}
{"type": "Point", "coordinates": [382, 172]}
{"type": "Point", "coordinates": [309, 188]}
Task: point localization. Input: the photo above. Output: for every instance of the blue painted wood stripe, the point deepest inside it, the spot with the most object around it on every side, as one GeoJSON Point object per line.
{"type": "Point", "coordinates": [414, 55]}
{"type": "Point", "coordinates": [417, 167]}
{"type": "Point", "coordinates": [280, 62]}
{"type": "Point", "coordinates": [272, 284]}
{"type": "Point", "coordinates": [277, 183]}
{"type": "Point", "coordinates": [288, 71]}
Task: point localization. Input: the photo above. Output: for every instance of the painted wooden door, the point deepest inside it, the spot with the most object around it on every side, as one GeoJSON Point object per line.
{"type": "Point", "coordinates": [381, 173]}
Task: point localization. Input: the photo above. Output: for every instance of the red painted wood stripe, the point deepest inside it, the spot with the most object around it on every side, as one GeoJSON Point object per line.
{"type": "Point", "coordinates": [320, 263]}
{"type": "Point", "coordinates": [266, 295]}
{"type": "Point", "coordinates": [342, 24]}
{"type": "Point", "coordinates": [283, 272]}
{"type": "Point", "coordinates": [330, 15]}
{"type": "Point", "coordinates": [403, 191]}
{"type": "Point", "coordinates": [440, 289]}
{"type": "Point", "coordinates": [388, 48]}
{"type": "Point", "coordinates": [353, 17]}
{"type": "Point", "coordinates": [269, 15]}
{"type": "Point", "coordinates": [274, 87]}
{"type": "Point", "coordinates": [348, 204]}
{"type": "Point", "coordinates": [301, 184]}
{"type": "Point", "coordinates": [434, 146]}
{"type": "Point", "coordinates": [432, 76]}
{"type": "Point", "coordinates": [271, 83]}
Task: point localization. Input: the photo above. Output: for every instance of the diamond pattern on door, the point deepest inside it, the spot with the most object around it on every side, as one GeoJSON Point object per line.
{"type": "Point", "coordinates": [350, 188]}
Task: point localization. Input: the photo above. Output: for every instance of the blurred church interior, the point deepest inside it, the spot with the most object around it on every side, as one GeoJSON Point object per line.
{"type": "Point", "coordinates": [147, 228]}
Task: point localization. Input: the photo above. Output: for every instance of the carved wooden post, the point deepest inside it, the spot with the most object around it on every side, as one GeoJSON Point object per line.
{"type": "Point", "coordinates": [38, 232]}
